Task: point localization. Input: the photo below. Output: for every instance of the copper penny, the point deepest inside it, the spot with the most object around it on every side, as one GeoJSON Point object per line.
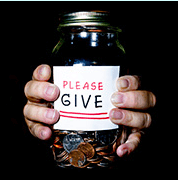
{"type": "Point", "coordinates": [87, 149]}
{"type": "Point", "coordinates": [77, 158]}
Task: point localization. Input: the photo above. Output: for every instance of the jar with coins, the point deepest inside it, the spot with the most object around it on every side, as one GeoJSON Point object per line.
{"type": "Point", "coordinates": [86, 63]}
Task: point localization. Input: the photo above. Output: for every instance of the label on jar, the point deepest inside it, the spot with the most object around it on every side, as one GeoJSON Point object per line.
{"type": "Point", "coordinates": [84, 102]}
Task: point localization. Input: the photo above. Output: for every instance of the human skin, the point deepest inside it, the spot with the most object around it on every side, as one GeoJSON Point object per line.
{"type": "Point", "coordinates": [40, 117]}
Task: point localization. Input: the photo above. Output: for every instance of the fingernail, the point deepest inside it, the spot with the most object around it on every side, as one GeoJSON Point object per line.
{"type": "Point", "coordinates": [117, 98]}
{"type": "Point", "coordinates": [116, 114]}
{"type": "Point", "coordinates": [50, 114]}
{"type": "Point", "coordinates": [41, 70]}
{"type": "Point", "coordinates": [50, 90]}
{"type": "Point", "coordinates": [122, 84]}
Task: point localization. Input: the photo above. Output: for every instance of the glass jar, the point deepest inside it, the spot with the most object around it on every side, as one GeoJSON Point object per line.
{"type": "Point", "coordinates": [86, 63]}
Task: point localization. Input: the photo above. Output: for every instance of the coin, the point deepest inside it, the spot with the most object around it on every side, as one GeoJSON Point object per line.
{"type": "Point", "coordinates": [87, 149]}
{"type": "Point", "coordinates": [71, 142]}
{"type": "Point", "coordinates": [103, 164]}
{"type": "Point", "coordinates": [77, 158]}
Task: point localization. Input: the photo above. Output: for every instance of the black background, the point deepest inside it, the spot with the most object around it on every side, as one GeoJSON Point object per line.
{"type": "Point", "coordinates": [28, 34]}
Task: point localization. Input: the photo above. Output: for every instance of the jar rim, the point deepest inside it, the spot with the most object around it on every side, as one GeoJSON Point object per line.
{"type": "Point", "coordinates": [85, 18]}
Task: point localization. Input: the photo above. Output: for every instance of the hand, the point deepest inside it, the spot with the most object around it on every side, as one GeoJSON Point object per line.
{"type": "Point", "coordinates": [129, 97]}
{"type": "Point", "coordinates": [38, 116]}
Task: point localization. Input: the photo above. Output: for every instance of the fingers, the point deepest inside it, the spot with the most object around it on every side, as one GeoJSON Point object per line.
{"type": "Point", "coordinates": [129, 97]}
{"type": "Point", "coordinates": [130, 145]}
{"type": "Point", "coordinates": [36, 117]}
{"type": "Point", "coordinates": [134, 99]}
{"type": "Point", "coordinates": [41, 114]}
{"type": "Point", "coordinates": [127, 83]}
{"type": "Point", "coordinates": [39, 130]}
{"type": "Point", "coordinates": [42, 73]}
{"type": "Point", "coordinates": [35, 91]}
{"type": "Point", "coordinates": [133, 119]}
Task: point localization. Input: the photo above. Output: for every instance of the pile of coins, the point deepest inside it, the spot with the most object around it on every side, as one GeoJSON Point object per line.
{"type": "Point", "coordinates": [84, 150]}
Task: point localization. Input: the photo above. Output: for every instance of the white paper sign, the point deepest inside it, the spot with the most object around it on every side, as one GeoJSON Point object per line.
{"type": "Point", "coordinates": [85, 92]}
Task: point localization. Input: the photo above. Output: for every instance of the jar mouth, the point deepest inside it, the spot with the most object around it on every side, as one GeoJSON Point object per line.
{"type": "Point", "coordinates": [91, 21]}
{"type": "Point", "coordinates": [84, 22]}
{"type": "Point", "coordinates": [85, 18]}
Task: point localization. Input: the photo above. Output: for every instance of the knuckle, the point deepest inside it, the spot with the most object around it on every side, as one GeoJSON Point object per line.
{"type": "Point", "coordinates": [152, 100]}
{"type": "Point", "coordinates": [136, 119]}
{"type": "Point", "coordinates": [141, 99]}
{"type": "Point", "coordinates": [134, 99]}
{"type": "Point", "coordinates": [25, 110]}
{"type": "Point", "coordinates": [26, 88]}
{"type": "Point", "coordinates": [135, 82]}
{"type": "Point", "coordinates": [148, 120]}
{"type": "Point", "coordinates": [34, 128]}
{"type": "Point", "coordinates": [31, 112]}
{"type": "Point", "coordinates": [36, 88]}
{"type": "Point", "coordinates": [31, 126]}
{"type": "Point", "coordinates": [33, 90]}
{"type": "Point", "coordinates": [129, 118]}
{"type": "Point", "coordinates": [137, 137]}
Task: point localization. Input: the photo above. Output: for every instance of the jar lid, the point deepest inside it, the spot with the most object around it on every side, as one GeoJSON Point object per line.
{"type": "Point", "coordinates": [85, 18]}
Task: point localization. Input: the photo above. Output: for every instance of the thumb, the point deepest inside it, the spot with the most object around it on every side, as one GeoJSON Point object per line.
{"type": "Point", "coordinates": [42, 73]}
